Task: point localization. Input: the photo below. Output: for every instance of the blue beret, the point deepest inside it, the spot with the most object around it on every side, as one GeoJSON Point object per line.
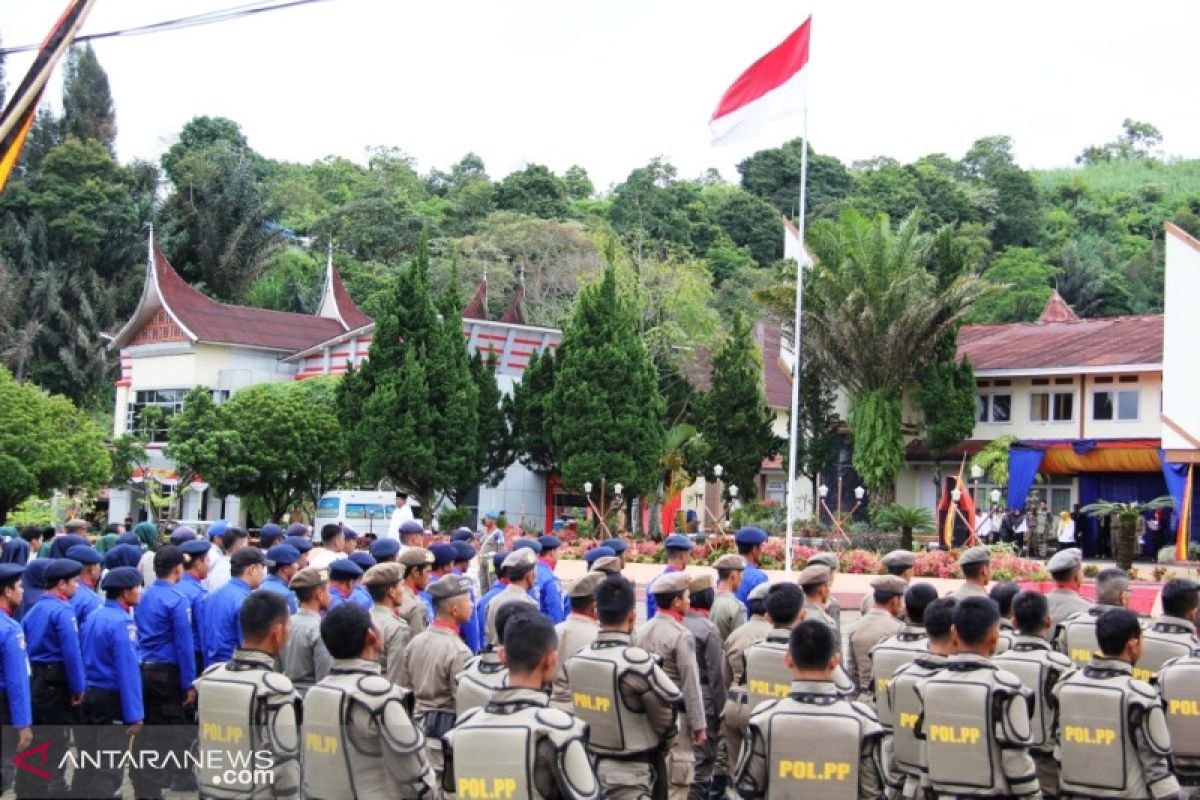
{"type": "Point", "coordinates": [182, 534]}
{"type": "Point", "coordinates": [344, 568]}
{"type": "Point", "coordinates": [443, 554]}
{"type": "Point", "coordinates": [297, 529]}
{"type": "Point", "coordinates": [349, 532]}
{"type": "Point", "coordinates": [491, 514]}
{"type": "Point", "coordinates": [301, 543]}
{"type": "Point", "coordinates": [129, 538]}
{"type": "Point", "coordinates": [60, 568]}
{"type": "Point", "coordinates": [121, 578]}
{"type": "Point", "coordinates": [618, 546]}
{"type": "Point", "coordinates": [385, 548]}
{"type": "Point", "coordinates": [550, 542]}
{"type": "Point", "coordinates": [196, 547]}
{"type": "Point", "coordinates": [463, 551]}
{"type": "Point", "coordinates": [462, 535]}
{"type": "Point", "coordinates": [498, 559]}
{"type": "Point", "coordinates": [531, 544]}
{"type": "Point", "coordinates": [85, 554]}
{"type": "Point", "coordinates": [411, 526]}
{"type": "Point", "coordinates": [363, 559]}
{"type": "Point", "coordinates": [678, 542]}
{"type": "Point", "coordinates": [283, 554]}
{"type": "Point", "coordinates": [10, 571]}
{"type": "Point", "coordinates": [598, 552]}
{"type": "Point", "coordinates": [268, 535]}
{"type": "Point", "coordinates": [123, 555]}
{"type": "Point", "coordinates": [217, 528]}
{"type": "Point", "coordinates": [750, 536]}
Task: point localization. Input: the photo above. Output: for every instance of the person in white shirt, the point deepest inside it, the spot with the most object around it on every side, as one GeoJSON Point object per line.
{"type": "Point", "coordinates": [1066, 531]}
{"type": "Point", "coordinates": [229, 542]}
{"type": "Point", "coordinates": [402, 514]}
{"type": "Point", "coordinates": [332, 547]}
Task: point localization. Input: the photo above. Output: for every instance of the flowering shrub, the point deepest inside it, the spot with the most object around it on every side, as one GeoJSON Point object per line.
{"type": "Point", "coordinates": [1006, 566]}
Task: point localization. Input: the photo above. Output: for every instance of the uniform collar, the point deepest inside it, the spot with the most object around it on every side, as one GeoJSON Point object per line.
{"type": "Point", "coordinates": [1166, 621]}
{"type": "Point", "coordinates": [614, 637]}
{"type": "Point", "coordinates": [1023, 642]}
{"type": "Point", "coordinates": [117, 605]}
{"type": "Point", "coordinates": [584, 618]}
{"type": "Point", "coordinates": [1006, 624]}
{"type": "Point", "coordinates": [819, 688]}
{"type": "Point", "coordinates": [255, 658]}
{"type": "Point", "coordinates": [442, 626]}
{"type": "Point", "coordinates": [335, 589]}
{"type": "Point", "coordinates": [668, 613]}
{"type": "Point", "coordinates": [355, 665]}
{"type": "Point", "coordinates": [700, 612]}
{"type": "Point", "coordinates": [489, 663]}
{"type": "Point", "coordinates": [911, 631]}
{"type": "Point", "coordinates": [307, 612]}
{"type": "Point", "coordinates": [158, 582]}
{"type": "Point", "coordinates": [969, 659]}
{"type": "Point", "coordinates": [932, 659]}
{"type": "Point", "coordinates": [880, 612]}
{"type": "Point", "coordinates": [510, 699]}
{"type": "Point", "coordinates": [1101, 664]}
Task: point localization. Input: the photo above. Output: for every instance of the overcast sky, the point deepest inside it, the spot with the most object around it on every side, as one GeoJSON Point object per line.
{"type": "Point", "coordinates": [610, 84]}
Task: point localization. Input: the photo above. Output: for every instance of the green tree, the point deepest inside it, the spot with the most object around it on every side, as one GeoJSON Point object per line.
{"type": "Point", "coordinates": [1016, 218]}
{"type": "Point", "coordinates": [749, 222]}
{"type": "Point", "coordinates": [452, 385]}
{"type": "Point", "coordinates": [577, 183]}
{"type": "Point", "coordinates": [774, 175]}
{"type": "Point", "coordinates": [528, 412]}
{"type": "Point", "coordinates": [906, 519]}
{"type": "Point", "coordinates": [535, 191]}
{"type": "Point", "coordinates": [605, 415]}
{"type": "Point", "coordinates": [735, 420]}
{"type": "Point", "coordinates": [817, 430]}
{"type": "Point", "coordinates": [201, 133]}
{"type": "Point", "coordinates": [495, 449]}
{"type": "Point", "coordinates": [88, 111]}
{"type": "Point", "coordinates": [203, 446]}
{"type": "Point", "coordinates": [1138, 140]}
{"type": "Point", "coordinates": [1027, 279]}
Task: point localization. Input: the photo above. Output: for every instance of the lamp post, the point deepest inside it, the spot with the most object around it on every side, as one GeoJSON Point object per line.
{"type": "Point", "coordinates": [718, 471]}
{"type": "Point", "coordinates": [839, 519]}
{"type": "Point", "coordinates": [620, 501]}
{"type": "Point", "coordinates": [601, 511]}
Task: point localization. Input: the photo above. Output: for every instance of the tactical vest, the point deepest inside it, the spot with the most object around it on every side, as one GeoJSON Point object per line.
{"type": "Point", "coordinates": [1077, 637]}
{"type": "Point", "coordinates": [243, 718]}
{"type": "Point", "coordinates": [1097, 710]}
{"type": "Point", "coordinates": [476, 683]}
{"type": "Point", "coordinates": [1161, 643]}
{"type": "Point", "coordinates": [1039, 669]}
{"type": "Point", "coordinates": [1179, 685]}
{"type": "Point", "coordinates": [906, 709]}
{"type": "Point", "coordinates": [594, 679]}
{"type": "Point", "coordinates": [887, 657]}
{"type": "Point", "coordinates": [767, 674]}
{"type": "Point", "coordinates": [814, 747]}
{"type": "Point", "coordinates": [353, 722]}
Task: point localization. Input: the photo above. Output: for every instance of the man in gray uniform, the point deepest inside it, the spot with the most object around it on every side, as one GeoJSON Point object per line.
{"type": "Point", "coordinates": [736, 715]}
{"type": "Point", "coordinates": [728, 613]}
{"type": "Point", "coordinates": [901, 647]}
{"type": "Point", "coordinates": [1076, 635]}
{"type": "Point", "coordinates": [1173, 634]}
{"type": "Point", "coordinates": [1179, 686]}
{"type": "Point", "coordinates": [1066, 568]}
{"type": "Point", "coordinates": [1113, 739]}
{"type": "Point", "coordinates": [976, 565]}
{"type": "Point", "coordinates": [304, 658]}
{"type": "Point", "coordinates": [879, 623]}
{"type": "Point", "coordinates": [832, 609]}
{"type": "Point", "coordinates": [575, 633]}
{"type": "Point", "coordinates": [520, 568]}
{"type": "Point", "coordinates": [897, 562]}
{"type": "Point", "coordinates": [712, 684]}
{"type": "Point", "coordinates": [384, 584]}
{"type": "Point", "coordinates": [486, 672]}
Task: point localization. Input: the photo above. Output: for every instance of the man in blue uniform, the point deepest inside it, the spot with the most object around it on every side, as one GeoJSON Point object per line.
{"type": "Point", "coordinates": [550, 598]}
{"type": "Point", "coordinates": [191, 586]}
{"type": "Point", "coordinates": [57, 683]}
{"type": "Point", "coordinates": [343, 573]}
{"type": "Point", "coordinates": [678, 547]}
{"type": "Point", "coordinates": [618, 546]}
{"type": "Point", "coordinates": [164, 627]}
{"type": "Point", "coordinates": [222, 634]}
{"type": "Point", "coordinates": [285, 558]}
{"type": "Point", "coordinates": [360, 594]}
{"type": "Point", "coordinates": [443, 558]}
{"type": "Point", "coordinates": [303, 545]}
{"type": "Point", "coordinates": [385, 550]}
{"type": "Point", "coordinates": [750, 543]}
{"type": "Point", "coordinates": [470, 630]}
{"type": "Point", "coordinates": [269, 535]}
{"type": "Point", "coordinates": [16, 716]}
{"type": "Point", "coordinates": [114, 692]}
{"type": "Point", "coordinates": [85, 600]}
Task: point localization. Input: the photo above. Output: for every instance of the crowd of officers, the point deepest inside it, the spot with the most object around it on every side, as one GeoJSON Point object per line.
{"type": "Point", "coordinates": [398, 671]}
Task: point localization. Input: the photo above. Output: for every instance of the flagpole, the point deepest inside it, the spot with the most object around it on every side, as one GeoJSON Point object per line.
{"type": "Point", "coordinates": [796, 358]}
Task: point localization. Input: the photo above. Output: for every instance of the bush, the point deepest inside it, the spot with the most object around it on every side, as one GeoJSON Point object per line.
{"type": "Point", "coordinates": [875, 541]}
{"type": "Point", "coordinates": [1166, 555]}
{"type": "Point", "coordinates": [450, 519]}
{"type": "Point", "coordinates": [768, 515]}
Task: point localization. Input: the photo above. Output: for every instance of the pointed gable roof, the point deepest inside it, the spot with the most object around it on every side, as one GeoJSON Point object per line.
{"type": "Point", "coordinates": [1057, 310]}
{"type": "Point", "coordinates": [336, 302]}
{"type": "Point", "coordinates": [477, 308]}
{"type": "Point", "coordinates": [515, 314]}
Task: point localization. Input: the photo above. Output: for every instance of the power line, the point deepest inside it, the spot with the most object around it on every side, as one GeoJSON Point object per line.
{"type": "Point", "coordinates": [191, 21]}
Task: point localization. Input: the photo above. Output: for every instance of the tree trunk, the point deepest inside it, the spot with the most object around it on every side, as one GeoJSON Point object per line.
{"type": "Point", "coordinates": [882, 496]}
{"type": "Point", "coordinates": [906, 538]}
{"type": "Point", "coordinates": [1126, 541]}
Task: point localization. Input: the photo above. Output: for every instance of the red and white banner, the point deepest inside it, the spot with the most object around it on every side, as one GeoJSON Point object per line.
{"type": "Point", "coordinates": [772, 87]}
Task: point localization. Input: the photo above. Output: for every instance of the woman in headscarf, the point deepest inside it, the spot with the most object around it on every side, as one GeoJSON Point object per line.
{"type": "Point", "coordinates": [106, 542]}
{"type": "Point", "coordinates": [147, 533]}
{"type": "Point", "coordinates": [16, 551]}
{"type": "Point", "coordinates": [8, 532]}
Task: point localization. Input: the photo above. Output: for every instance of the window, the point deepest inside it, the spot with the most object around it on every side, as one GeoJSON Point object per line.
{"type": "Point", "coordinates": [993, 407]}
{"type": "Point", "coordinates": [1120, 405]}
{"type": "Point", "coordinates": [168, 402]}
{"type": "Point", "coordinates": [1051, 406]}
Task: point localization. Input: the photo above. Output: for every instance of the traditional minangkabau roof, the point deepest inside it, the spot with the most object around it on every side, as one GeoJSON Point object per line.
{"type": "Point", "coordinates": [1057, 310]}
{"type": "Point", "coordinates": [776, 372]}
{"type": "Point", "coordinates": [336, 302]}
{"type": "Point", "coordinates": [477, 308]}
{"type": "Point", "coordinates": [515, 313]}
{"type": "Point", "coordinates": [201, 319]}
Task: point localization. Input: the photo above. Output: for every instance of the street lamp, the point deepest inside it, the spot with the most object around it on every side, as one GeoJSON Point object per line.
{"type": "Point", "coordinates": [601, 511]}
{"type": "Point", "coordinates": [840, 519]}
{"type": "Point", "coordinates": [718, 519]}
{"type": "Point", "coordinates": [617, 487]}
{"type": "Point", "coordinates": [995, 495]}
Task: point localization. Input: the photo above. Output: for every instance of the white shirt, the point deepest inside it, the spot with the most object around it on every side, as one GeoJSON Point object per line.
{"type": "Point", "coordinates": [218, 569]}
{"type": "Point", "coordinates": [322, 558]}
{"type": "Point", "coordinates": [401, 515]}
{"type": "Point", "coordinates": [1066, 530]}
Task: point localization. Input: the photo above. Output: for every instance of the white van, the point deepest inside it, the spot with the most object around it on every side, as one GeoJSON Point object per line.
{"type": "Point", "coordinates": [364, 511]}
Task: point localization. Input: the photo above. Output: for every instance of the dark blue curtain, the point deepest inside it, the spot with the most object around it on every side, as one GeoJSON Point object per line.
{"type": "Point", "coordinates": [1023, 466]}
{"type": "Point", "coordinates": [1118, 487]}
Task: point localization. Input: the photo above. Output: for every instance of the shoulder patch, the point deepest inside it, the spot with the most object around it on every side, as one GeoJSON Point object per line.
{"type": "Point", "coordinates": [278, 682]}
{"type": "Point", "coordinates": [636, 655]}
{"type": "Point", "coordinates": [374, 685]}
{"type": "Point", "coordinates": [554, 718]}
{"type": "Point", "coordinates": [1007, 679]}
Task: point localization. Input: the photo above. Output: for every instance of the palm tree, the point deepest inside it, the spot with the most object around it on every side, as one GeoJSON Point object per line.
{"type": "Point", "coordinates": [678, 443]}
{"type": "Point", "coordinates": [875, 316]}
{"type": "Point", "coordinates": [906, 519]}
{"type": "Point", "coordinates": [1127, 517]}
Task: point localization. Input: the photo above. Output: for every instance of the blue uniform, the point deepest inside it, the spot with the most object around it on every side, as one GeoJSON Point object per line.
{"type": "Point", "coordinates": [549, 596]}
{"type": "Point", "coordinates": [651, 606]}
{"type": "Point", "coordinates": [482, 605]}
{"type": "Point", "coordinates": [427, 599]}
{"type": "Point", "coordinates": [361, 596]}
{"type": "Point", "coordinates": [222, 630]}
{"type": "Point", "coordinates": [52, 636]}
{"type": "Point", "coordinates": [15, 675]}
{"type": "Point", "coordinates": [164, 624]}
{"type": "Point", "coordinates": [191, 588]}
{"type": "Point", "coordinates": [336, 596]}
{"type": "Point", "coordinates": [469, 630]}
{"type": "Point", "coordinates": [84, 602]}
{"type": "Point", "coordinates": [110, 654]}
{"type": "Point", "coordinates": [274, 583]}
{"type": "Point", "coordinates": [752, 576]}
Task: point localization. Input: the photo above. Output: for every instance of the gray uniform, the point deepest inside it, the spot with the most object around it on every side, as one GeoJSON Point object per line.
{"type": "Point", "coordinates": [713, 689]}
{"type": "Point", "coordinates": [975, 720]}
{"type": "Point", "coordinates": [812, 611]}
{"type": "Point", "coordinates": [413, 612]}
{"type": "Point", "coordinates": [812, 744]}
{"type": "Point", "coordinates": [305, 659]}
{"type": "Point", "coordinates": [968, 589]}
{"type": "Point", "coordinates": [358, 740]}
{"type": "Point", "coordinates": [476, 684]}
{"type": "Point", "coordinates": [574, 633]}
{"type": "Point", "coordinates": [435, 656]}
{"type": "Point", "coordinates": [909, 761]}
{"type": "Point", "coordinates": [1076, 636]}
{"type": "Point", "coordinates": [394, 635]}
{"type": "Point", "coordinates": [664, 636]}
{"type": "Point", "coordinates": [736, 715]}
{"type": "Point", "coordinates": [1179, 686]}
{"type": "Point", "coordinates": [1168, 638]}
{"type": "Point", "coordinates": [728, 613]}
{"type": "Point", "coordinates": [1113, 738]}
{"type": "Point", "coordinates": [1063, 603]}
{"type": "Point", "coordinates": [869, 631]}
{"type": "Point", "coordinates": [517, 746]}
{"type": "Point", "coordinates": [511, 594]}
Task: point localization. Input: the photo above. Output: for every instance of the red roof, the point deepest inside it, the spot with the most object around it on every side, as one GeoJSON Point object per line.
{"type": "Point", "coordinates": [352, 315]}
{"type": "Point", "coordinates": [1084, 343]}
{"type": "Point", "coordinates": [477, 308]}
{"type": "Point", "coordinates": [207, 320]}
{"type": "Point", "coordinates": [1058, 310]}
{"type": "Point", "coordinates": [777, 383]}
{"type": "Point", "coordinates": [515, 313]}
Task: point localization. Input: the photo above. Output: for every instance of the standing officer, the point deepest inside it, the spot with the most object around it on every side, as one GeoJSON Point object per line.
{"type": "Point", "coordinates": [1113, 739]}
{"type": "Point", "coordinates": [812, 743]}
{"type": "Point", "coordinates": [666, 637]}
{"type": "Point", "coordinates": [486, 672]}
{"type": "Point", "coordinates": [358, 740]}
{"type": "Point", "coordinates": [164, 626]}
{"type": "Point", "coordinates": [360, 594]}
{"type": "Point", "coordinates": [491, 541]}
{"type": "Point", "coordinates": [417, 562]}
{"type": "Point", "coordinates": [385, 550]}
{"type": "Point", "coordinates": [897, 562]}
{"type": "Point", "coordinates": [518, 569]}
{"type": "Point", "coordinates": [191, 586]}
{"type": "Point", "coordinates": [728, 612]}
{"type": "Point", "coordinates": [57, 681]}
{"type": "Point", "coordinates": [550, 599]}
{"type": "Point", "coordinates": [626, 699]}
{"type": "Point", "coordinates": [286, 560]}
{"type": "Point", "coordinates": [1066, 568]}
{"type": "Point", "coordinates": [767, 673]}
{"type": "Point", "coordinates": [750, 543]}
{"type": "Point", "coordinates": [114, 692]}
{"type": "Point", "coordinates": [974, 716]}
{"type": "Point", "coordinates": [304, 658]}
{"type": "Point", "coordinates": [1002, 595]}
{"type": "Point", "coordinates": [247, 569]}
{"type": "Point", "coordinates": [1173, 635]}
{"type": "Point", "coordinates": [383, 583]}
{"type": "Point", "coordinates": [709, 658]}
{"type": "Point", "coordinates": [435, 656]}
{"type": "Point", "coordinates": [246, 707]}
{"type": "Point", "coordinates": [976, 565]}
{"type": "Point", "coordinates": [901, 647]}
{"type": "Point", "coordinates": [470, 632]}
{"type": "Point", "coordinates": [678, 547]}
{"type": "Point", "coordinates": [736, 715]}
{"type": "Point", "coordinates": [343, 574]}
{"type": "Point", "coordinates": [879, 623]}
{"type": "Point", "coordinates": [832, 609]}
{"type": "Point", "coordinates": [1076, 635]}
{"type": "Point", "coordinates": [517, 740]}
{"type": "Point", "coordinates": [1040, 668]}
{"type": "Point", "coordinates": [1179, 686]}
{"type": "Point", "coordinates": [16, 716]}
{"type": "Point", "coordinates": [816, 581]}
{"type": "Point", "coordinates": [618, 546]}
{"type": "Point", "coordinates": [85, 599]}
{"type": "Point", "coordinates": [574, 634]}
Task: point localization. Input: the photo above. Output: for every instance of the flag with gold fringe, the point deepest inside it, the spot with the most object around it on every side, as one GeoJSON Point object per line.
{"type": "Point", "coordinates": [1183, 536]}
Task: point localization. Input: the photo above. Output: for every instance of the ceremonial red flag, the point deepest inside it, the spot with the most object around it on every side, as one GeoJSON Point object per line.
{"type": "Point", "coordinates": [772, 87]}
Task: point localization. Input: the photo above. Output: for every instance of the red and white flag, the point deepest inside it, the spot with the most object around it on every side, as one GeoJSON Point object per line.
{"type": "Point", "coordinates": [772, 87]}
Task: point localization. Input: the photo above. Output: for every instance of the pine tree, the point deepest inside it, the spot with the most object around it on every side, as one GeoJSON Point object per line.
{"type": "Point", "coordinates": [88, 111]}
{"type": "Point", "coordinates": [495, 451]}
{"type": "Point", "coordinates": [818, 428]}
{"type": "Point", "coordinates": [526, 410]}
{"type": "Point", "coordinates": [735, 419]}
{"type": "Point", "coordinates": [605, 415]}
{"type": "Point", "coordinates": [455, 396]}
